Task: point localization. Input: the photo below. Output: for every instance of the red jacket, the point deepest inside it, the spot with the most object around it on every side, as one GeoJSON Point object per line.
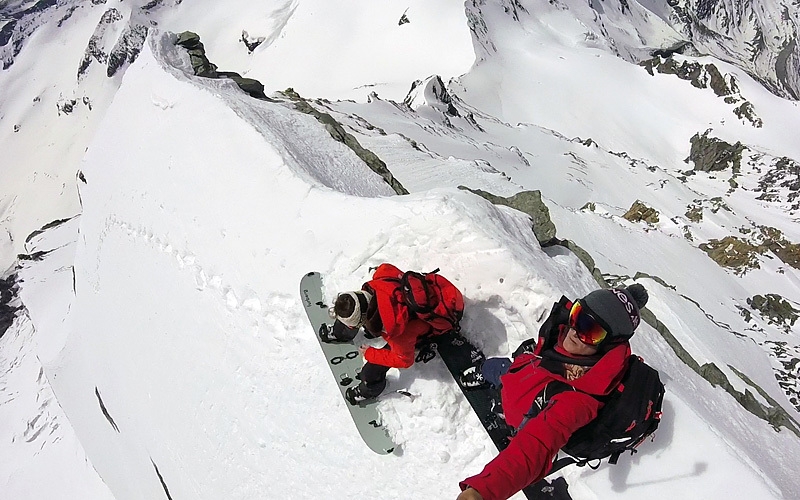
{"type": "Point", "coordinates": [392, 321]}
{"type": "Point", "coordinates": [530, 454]}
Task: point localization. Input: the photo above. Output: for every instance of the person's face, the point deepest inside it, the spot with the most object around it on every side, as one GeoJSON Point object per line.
{"type": "Point", "coordinates": [573, 345]}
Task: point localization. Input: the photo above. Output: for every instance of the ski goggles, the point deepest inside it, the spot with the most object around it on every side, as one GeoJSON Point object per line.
{"type": "Point", "coordinates": [589, 331]}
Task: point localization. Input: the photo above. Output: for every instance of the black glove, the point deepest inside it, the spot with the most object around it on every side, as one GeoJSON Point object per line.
{"type": "Point", "coordinates": [426, 353]}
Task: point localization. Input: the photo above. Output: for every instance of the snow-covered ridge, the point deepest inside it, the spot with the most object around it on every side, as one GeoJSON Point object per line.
{"type": "Point", "coordinates": [203, 208]}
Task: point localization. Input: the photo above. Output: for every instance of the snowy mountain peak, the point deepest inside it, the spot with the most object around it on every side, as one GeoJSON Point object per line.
{"type": "Point", "coordinates": [430, 92]}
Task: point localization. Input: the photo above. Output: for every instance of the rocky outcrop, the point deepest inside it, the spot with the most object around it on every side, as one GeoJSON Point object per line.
{"type": "Point", "coordinates": [788, 355]}
{"type": "Point", "coordinates": [251, 42]}
{"type": "Point", "coordinates": [431, 92]}
{"type": "Point", "coordinates": [338, 132]}
{"type": "Point", "coordinates": [733, 253]}
{"type": "Point", "coordinates": [528, 202]}
{"type": "Point", "coordinates": [702, 76]}
{"type": "Point", "coordinates": [127, 49]}
{"type": "Point", "coordinates": [8, 292]}
{"type": "Point", "coordinates": [640, 212]}
{"type": "Point", "coordinates": [205, 68]}
{"type": "Point", "coordinates": [775, 310]}
{"type": "Point", "coordinates": [773, 240]}
{"type": "Point", "coordinates": [694, 212]}
{"type": "Point", "coordinates": [709, 154]}
{"type": "Point", "coordinates": [95, 49]}
{"type": "Point", "coordinates": [781, 182]}
{"type": "Point", "coordinates": [197, 54]}
{"type": "Point", "coordinates": [706, 76]}
{"type": "Point", "coordinates": [772, 412]}
{"type": "Point", "coordinates": [741, 255]}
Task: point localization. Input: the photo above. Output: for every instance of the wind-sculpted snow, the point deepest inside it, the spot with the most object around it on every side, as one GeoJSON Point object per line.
{"type": "Point", "coordinates": [296, 137]}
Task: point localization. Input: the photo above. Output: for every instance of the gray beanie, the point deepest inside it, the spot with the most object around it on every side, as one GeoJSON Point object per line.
{"type": "Point", "coordinates": [617, 309]}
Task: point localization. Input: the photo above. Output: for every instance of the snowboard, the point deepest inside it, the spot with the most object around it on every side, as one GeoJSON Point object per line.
{"type": "Point", "coordinates": [345, 361]}
{"type": "Point", "coordinates": [458, 354]}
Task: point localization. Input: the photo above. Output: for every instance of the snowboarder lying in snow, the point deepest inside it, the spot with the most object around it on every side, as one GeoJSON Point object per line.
{"type": "Point", "coordinates": [384, 312]}
{"type": "Point", "coordinates": [582, 347]}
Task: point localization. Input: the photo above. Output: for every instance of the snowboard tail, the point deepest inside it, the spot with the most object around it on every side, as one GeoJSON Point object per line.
{"type": "Point", "coordinates": [458, 355]}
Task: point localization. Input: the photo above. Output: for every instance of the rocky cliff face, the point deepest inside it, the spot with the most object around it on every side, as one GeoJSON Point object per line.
{"type": "Point", "coordinates": [760, 36]}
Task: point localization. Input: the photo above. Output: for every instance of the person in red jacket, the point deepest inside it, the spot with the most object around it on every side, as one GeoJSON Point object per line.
{"type": "Point", "coordinates": [581, 354]}
{"type": "Point", "coordinates": [376, 308]}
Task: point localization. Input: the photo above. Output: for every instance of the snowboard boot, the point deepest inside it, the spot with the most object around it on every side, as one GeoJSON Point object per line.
{"type": "Point", "coordinates": [357, 394]}
{"type": "Point", "coordinates": [472, 378]}
{"type": "Point", "coordinates": [338, 334]}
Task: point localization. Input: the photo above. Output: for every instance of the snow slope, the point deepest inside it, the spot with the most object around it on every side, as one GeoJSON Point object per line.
{"type": "Point", "coordinates": [163, 352]}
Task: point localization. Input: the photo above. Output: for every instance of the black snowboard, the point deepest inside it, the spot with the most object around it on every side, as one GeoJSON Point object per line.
{"type": "Point", "coordinates": [458, 355]}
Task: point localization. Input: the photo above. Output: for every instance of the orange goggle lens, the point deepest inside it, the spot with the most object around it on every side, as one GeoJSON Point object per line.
{"type": "Point", "coordinates": [588, 329]}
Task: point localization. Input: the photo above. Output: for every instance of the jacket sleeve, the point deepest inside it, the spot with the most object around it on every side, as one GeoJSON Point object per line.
{"type": "Point", "coordinates": [401, 347]}
{"type": "Point", "coordinates": [530, 453]}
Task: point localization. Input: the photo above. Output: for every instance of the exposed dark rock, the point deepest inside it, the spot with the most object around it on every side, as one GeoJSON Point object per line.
{"type": "Point", "coordinates": [8, 292]}
{"type": "Point", "coordinates": [105, 410]}
{"type": "Point", "coordinates": [96, 48]}
{"type": "Point", "coordinates": [705, 76]}
{"type": "Point", "coordinates": [161, 480]}
{"type": "Point", "coordinates": [35, 256]}
{"type": "Point", "coordinates": [641, 212]}
{"type": "Point", "coordinates": [437, 88]}
{"type": "Point", "coordinates": [338, 132]}
{"type": "Point", "coordinates": [710, 154]}
{"type": "Point", "coordinates": [745, 111]}
{"type": "Point", "coordinates": [739, 33]}
{"type": "Point", "coordinates": [678, 48]}
{"type": "Point", "coordinates": [773, 240]}
{"type": "Point", "coordinates": [789, 358]}
{"type": "Point", "coordinates": [528, 202]}
{"type": "Point", "coordinates": [151, 5]}
{"type": "Point", "coordinates": [775, 310]}
{"type": "Point", "coordinates": [251, 86]}
{"type": "Point", "coordinates": [203, 67]}
{"type": "Point", "coordinates": [694, 213]}
{"type": "Point", "coordinates": [733, 253]}
{"type": "Point", "coordinates": [403, 19]}
{"type": "Point", "coordinates": [251, 42]}
{"type": "Point", "coordinates": [700, 75]}
{"type": "Point", "coordinates": [783, 173]}
{"type": "Point", "coordinates": [127, 48]}
{"type": "Point", "coordinates": [65, 17]}
{"type": "Point", "coordinates": [47, 226]}
{"type": "Point", "coordinates": [197, 54]}
{"type": "Point", "coordinates": [66, 106]}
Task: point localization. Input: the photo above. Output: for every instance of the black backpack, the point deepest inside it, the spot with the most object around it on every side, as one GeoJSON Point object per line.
{"type": "Point", "coordinates": [630, 414]}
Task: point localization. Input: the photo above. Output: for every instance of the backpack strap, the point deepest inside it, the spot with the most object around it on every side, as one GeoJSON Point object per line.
{"type": "Point", "coordinates": [408, 292]}
{"type": "Point", "coordinates": [542, 400]}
